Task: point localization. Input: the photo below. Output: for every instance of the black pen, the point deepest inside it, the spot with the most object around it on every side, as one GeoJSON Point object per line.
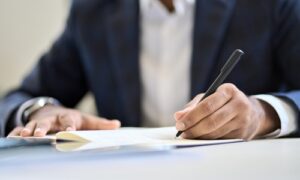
{"type": "Point", "coordinates": [227, 68]}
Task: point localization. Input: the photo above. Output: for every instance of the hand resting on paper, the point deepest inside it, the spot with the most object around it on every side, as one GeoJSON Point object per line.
{"type": "Point", "coordinates": [226, 114]}
{"type": "Point", "coordinates": [51, 119]}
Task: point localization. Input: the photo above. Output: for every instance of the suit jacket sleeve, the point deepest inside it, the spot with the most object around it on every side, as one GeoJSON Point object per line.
{"type": "Point", "coordinates": [287, 51]}
{"type": "Point", "coordinates": [58, 74]}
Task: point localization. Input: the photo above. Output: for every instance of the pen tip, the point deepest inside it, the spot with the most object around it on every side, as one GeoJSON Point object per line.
{"type": "Point", "coordinates": [178, 134]}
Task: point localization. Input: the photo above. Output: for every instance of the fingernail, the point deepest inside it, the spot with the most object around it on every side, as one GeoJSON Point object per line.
{"type": "Point", "coordinates": [180, 126]}
{"type": "Point", "coordinates": [70, 129]}
{"type": "Point", "coordinates": [25, 132]}
{"type": "Point", "coordinates": [117, 122]}
{"type": "Point", "coordinates": [38, 132]}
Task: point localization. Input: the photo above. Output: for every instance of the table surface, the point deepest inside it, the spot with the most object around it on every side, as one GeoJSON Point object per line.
{"type": "Point", "coordinates": [258, 159]}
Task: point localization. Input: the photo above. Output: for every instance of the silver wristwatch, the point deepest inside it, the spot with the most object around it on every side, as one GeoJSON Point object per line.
{"type": "Point", "coordinates": [34, 105]}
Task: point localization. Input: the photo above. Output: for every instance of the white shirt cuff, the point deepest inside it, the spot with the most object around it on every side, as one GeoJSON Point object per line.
{"type": "Point", "coordinates": [286, 113]}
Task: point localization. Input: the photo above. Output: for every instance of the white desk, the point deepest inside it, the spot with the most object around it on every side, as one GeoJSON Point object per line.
{"type": "Point", "coordinates": [262, 159]}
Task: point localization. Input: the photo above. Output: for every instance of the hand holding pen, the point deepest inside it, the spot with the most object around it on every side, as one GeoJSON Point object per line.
{"type": "Point", "coordinates": [225, 112]}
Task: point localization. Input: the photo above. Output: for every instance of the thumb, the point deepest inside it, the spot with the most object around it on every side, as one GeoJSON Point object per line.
{"type": "Point", "coordinates": [91, 122]}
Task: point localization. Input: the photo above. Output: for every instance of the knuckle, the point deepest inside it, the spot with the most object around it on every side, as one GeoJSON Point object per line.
{"type": "Point", "coordinates": [229, 85]}
{"type": "Point", "coordinates": [241, 104]}
{"type": "Point", "coordinates": [240, 95]}
{"type": "Point", "coordinates": [223, 94]}
{"type": "Point", "coordinates": [229, 88]}
{"type": "Point", "coordinates": [207, 106]}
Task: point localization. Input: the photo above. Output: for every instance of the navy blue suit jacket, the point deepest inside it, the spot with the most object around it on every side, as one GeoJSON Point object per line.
{"type": "Point", "coordinates": [99, 52]}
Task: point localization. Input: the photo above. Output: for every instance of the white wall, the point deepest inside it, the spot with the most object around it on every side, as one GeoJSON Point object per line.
{"type": "Point", "coordinates": [27, 29]}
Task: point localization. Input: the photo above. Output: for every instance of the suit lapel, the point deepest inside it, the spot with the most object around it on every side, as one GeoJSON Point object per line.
{"type": "Point", "coordinates": [211, 19]}
{"type": "Point", "coordinates": [123, 32]}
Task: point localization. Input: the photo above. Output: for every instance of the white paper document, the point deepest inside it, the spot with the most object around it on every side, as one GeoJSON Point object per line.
{"type": "Point", "coordinates": [130, 136]}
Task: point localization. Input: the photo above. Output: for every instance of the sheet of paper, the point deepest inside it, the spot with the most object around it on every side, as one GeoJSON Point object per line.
{"type": "Point", "coordinates": [123, 137]}
{"type": "Point", "coordinates": [133, 136]}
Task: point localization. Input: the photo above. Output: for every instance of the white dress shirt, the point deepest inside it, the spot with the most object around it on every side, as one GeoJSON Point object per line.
{"type": "Point", "coordinates": [165, 59]}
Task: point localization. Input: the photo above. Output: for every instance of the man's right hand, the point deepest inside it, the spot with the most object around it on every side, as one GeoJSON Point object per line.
{"type": "Point", "coordinates": [52, 119]}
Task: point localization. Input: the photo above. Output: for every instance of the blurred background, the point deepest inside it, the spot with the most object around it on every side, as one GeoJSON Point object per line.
{"type": "Point", "coordinates": [27, 30]}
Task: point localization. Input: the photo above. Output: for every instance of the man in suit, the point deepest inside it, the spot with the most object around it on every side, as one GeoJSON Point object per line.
{"type": "Point", "coordinates": [144, 59]}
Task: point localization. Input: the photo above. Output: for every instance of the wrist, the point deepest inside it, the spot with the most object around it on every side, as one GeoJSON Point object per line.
{"type": "Point", "coordinates": [270, 120]}
{"type": "Point", "coordinates": [35, 105]}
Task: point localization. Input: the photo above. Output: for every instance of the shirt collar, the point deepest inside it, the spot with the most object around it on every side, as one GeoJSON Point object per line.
{"type": "Point", "coordinates": [157, 9]}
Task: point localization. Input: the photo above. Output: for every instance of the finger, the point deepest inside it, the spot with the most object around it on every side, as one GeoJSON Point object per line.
{"type": "Point", "coordinates": [68, 121]}
{"type": "Point", "coordinates": [192, 104]}
{"type": "Point", "coordinates": [43, 127]}
{"type": "Point", "coordinates": [15, 132]}
{"type": "Point", "coordinates": [214, 121]}
{"type": "Point", "coordinates": [242, 132]}
{"type": "Point", "coordinates": [96, 123]}
{"type": "Point", "coordinates": [236, 134]}
{"type": "Point", "coordinates": [195, 100]}
{"type": "Point", "coordinates": [205, 108]}
{"type": "Point", "coordinates": [229, 127]}
{"type": "Point", "coordinates": [28, 129]}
